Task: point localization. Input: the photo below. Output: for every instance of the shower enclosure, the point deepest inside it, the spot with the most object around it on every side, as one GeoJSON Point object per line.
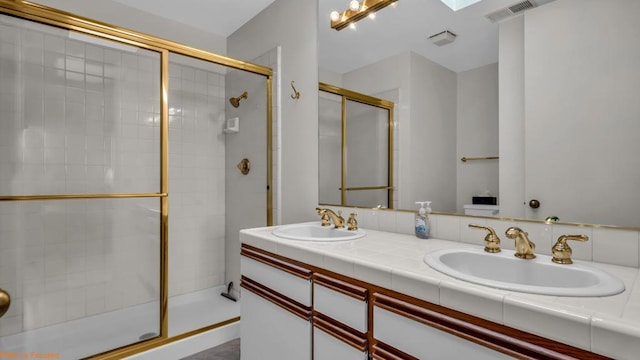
{"type": "Point", "coordinates": [113, 184]}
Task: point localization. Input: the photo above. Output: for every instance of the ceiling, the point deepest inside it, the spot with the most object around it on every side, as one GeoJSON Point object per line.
{"type": "Point", "coordinates": [221, 17]}
{"type": "Point", "coordinates": [405, 27]}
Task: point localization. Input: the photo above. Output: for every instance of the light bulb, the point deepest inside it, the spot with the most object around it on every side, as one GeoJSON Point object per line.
{"type": "Point", "coordinates": [335, 16]}
{"type": "Point", "coordinates": [354, 5]}
{"type": "Point", "coordinates": [372, 15]}
{"type": "Point", "coordinates": [352, 26]}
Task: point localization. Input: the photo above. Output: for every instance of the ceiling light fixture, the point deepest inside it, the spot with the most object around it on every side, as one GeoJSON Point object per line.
{"type": "Point", "coordinates": [357, 10]}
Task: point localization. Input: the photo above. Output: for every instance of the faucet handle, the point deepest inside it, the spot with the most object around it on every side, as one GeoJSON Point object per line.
{"type": "Point", "coordinates": [324, 217]}
{"type": "Point", "coordinates": [491, 241]}
{"type": "Point", "coordinates": [352, 223]}
{"type": "Point", "coordinates": [562, 251]}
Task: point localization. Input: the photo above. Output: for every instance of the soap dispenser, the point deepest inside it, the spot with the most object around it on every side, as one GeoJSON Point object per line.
{"type": "Point", "coordinates": [428, 215]}
{"type": "Point", "coordinates": [422, 221]}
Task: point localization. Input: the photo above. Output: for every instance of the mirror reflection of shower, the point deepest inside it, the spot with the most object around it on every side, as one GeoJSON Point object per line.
{"type": "Point", "coordinates": [235, 101]}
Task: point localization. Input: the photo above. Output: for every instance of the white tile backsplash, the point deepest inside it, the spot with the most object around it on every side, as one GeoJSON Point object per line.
{"type": "Point", "coordinates": [448, 227]}
{"type": "Point", "coordinates": [581, 250]}
{"type": "Point", "coordinates": [615, 246]}
{"type": "Point", "coordinates": [605, 245]}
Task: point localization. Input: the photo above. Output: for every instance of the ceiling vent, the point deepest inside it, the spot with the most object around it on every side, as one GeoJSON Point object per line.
{"type": "Point", "coordinates": [510, 11]}
{"type": "Point", "coordinates": [443, 38]}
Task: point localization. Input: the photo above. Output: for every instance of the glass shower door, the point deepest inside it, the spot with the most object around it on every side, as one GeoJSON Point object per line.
{"type": "Point", "coordinates": [80, 224]}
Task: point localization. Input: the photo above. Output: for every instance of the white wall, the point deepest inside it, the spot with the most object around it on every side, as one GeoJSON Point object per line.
{"type": "Point", "coordinates": [431, 171]}
{"type": "Point", "coordinates": [511, 117]}
{"type": "Point", "coordinates": [581, 111]}
{"type": "Point", "coordinates": [329, 77]}
{"type": "Point", "coordinates": [477, 133]}
{"type": "Point", "coordinates": [425, 124]}
{"type": "Point", "coordinates": [131, 18]}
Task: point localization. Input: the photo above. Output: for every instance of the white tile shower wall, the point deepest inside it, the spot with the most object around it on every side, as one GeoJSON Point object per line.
{"type": "Point", "coordinates": [196, 178]}
{"type": "Point", "coordinates": [78, 118]}
{"type": "Point", "coordinates": [605, 245]}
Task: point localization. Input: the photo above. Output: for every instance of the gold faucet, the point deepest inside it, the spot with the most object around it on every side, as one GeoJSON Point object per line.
{"type": "Point", "coordinates": [491, 241]}
{"type": "Point", "coordinates": [326, 214]}
{"type": "Point", "coordinates": [562, 251]}
{"type": "Point", "coordinates": [524, 247]}
{"type": "Point", "coordinates": [352, 223]}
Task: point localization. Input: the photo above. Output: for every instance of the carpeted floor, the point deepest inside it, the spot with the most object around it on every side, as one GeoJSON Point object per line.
{"type": "Point", "coordinates": [227, 351]}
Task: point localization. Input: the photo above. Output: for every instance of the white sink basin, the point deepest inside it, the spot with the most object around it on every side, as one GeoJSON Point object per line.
{"type": "Point", "coordinates": [539, 276]}
{"type": "Point", "coordinates": [316, 232]}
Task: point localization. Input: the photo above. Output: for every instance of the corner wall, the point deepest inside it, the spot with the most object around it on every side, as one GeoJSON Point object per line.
{"type": "Point", "coordinates": [298, 38]}
{"type": "Point", "coordinates": [477, 133]}
{"type": "Point", "coordinates": [296, 151]}
{"type": "Point", "coordinates": [511, 115]}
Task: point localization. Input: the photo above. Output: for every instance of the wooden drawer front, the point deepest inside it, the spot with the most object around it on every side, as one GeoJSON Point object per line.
{"type": "Point", "coordinates": [423, 341]}
{"type": "Point", "coordinates": [341, 304]}
{"type": "Point", "coordinates": [293, 286]}
{"type": "Point", "coordinates": [283, 301]}
{"type": "Point", "coordinates": [382, 351]}
{"type": "Point", "coordinates": [340, 331]}
{"type": "Point", "coordinates": [328, 347]}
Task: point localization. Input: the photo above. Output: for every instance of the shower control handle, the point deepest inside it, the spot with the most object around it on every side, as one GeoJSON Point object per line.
{"type": "Point", "coordinates": [5, 302]}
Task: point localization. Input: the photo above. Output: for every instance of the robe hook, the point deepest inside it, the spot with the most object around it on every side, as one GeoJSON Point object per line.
{"type": "Point", "coordinates": [296, 93]}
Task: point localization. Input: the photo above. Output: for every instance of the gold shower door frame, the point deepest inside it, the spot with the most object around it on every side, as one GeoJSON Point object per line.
{"type": "Point", "coordinates": [349, 95]}
{"type": "Point", "coordinates": [65, 20]}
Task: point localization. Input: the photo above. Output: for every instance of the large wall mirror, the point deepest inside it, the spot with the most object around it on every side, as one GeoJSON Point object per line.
{"type": "Point", "coordinates": [548, 95]}
{"type": "Point", "coordinates": [355, 148]}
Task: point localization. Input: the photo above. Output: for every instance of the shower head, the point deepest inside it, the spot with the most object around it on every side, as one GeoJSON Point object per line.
{"type": "Point", "coordinates": [236, 101]}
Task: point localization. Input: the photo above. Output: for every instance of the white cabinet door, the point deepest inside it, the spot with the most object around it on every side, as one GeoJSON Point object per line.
{"type": "Point", "coordinates": [275, 308]}
{"type": "Point", "coordinates": [269, 332]}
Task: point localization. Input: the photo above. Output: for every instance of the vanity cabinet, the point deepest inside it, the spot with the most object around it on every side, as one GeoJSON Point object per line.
{"type": "Point", "coordinates": [275, 307]}
{"type": "Point", "coordinates": [292, 310]}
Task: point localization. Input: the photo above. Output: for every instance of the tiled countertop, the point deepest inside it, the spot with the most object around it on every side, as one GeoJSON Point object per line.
{"type": "Point", "coordinates": [606, 325]}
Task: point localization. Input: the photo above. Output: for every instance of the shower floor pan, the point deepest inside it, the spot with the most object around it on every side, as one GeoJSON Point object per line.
{"type": "Point", "coordinates": [99, 333]}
